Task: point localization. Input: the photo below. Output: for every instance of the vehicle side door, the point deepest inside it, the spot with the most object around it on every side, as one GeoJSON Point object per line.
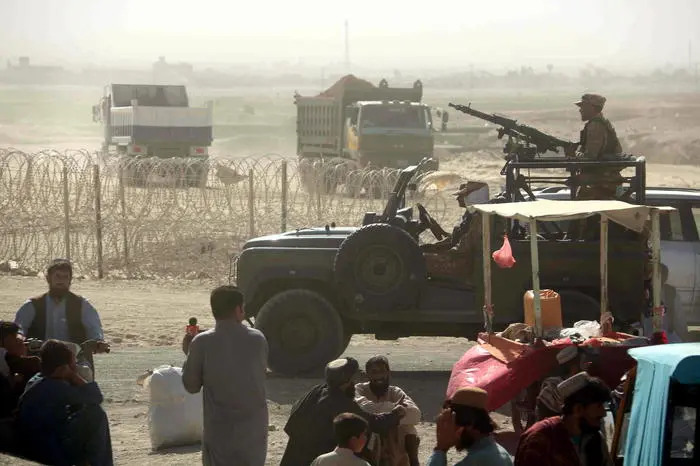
{"type": "Point", "coordinates": [693, 315]}
{"type": "Point", "coordinates": [679, 243]}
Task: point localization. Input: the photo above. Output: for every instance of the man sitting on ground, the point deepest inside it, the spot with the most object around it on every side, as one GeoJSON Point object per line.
{"type": "Point", "coordinates": [574, 437]}
{"type": "Point", "coordinates": [60, 418]}
{"type": "Point", "coordinates": [310, 424]}
{"type": "Point", "coordinates": [399, 446]}
{"type": "Point", "coordinates": [351, 434]}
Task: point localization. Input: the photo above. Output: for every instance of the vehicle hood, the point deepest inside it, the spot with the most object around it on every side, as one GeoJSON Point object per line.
{"type": "Point", "coordinates": [317, 237]}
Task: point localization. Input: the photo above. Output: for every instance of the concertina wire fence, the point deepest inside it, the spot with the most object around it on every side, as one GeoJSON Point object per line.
{"type": "Point", "coordinates": [121, 217]}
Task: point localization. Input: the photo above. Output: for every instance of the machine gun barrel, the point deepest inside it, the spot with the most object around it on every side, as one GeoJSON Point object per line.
{"type": "Point", "coordinates": [543, 141]}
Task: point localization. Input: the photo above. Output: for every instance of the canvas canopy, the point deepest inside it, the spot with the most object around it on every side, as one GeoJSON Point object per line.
{"type": "Point", "coordinates": [633, 217]}
{"type": "Point", "coordinates": [630, 216]}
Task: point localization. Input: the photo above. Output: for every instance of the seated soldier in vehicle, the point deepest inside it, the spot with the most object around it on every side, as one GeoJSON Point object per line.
{"type": "Point", "coordinates": [60, 314]}
{"type": "Point", "coordinates": [450, 257]}
{"type": "Point", "coordinates": [16, 368]}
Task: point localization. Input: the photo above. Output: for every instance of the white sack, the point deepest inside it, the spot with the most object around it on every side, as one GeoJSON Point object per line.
{"type": "Point", "coordinates": [174, 416]}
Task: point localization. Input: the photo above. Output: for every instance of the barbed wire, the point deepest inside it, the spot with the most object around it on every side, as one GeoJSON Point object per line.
{"type": "Point", "coordinates": [135, 217]}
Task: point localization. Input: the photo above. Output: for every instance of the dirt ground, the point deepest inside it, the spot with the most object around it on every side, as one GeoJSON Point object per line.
{"type": "Point", "coordinates": [145, 321]}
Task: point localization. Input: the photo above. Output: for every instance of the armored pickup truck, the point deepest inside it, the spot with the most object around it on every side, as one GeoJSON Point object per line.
{"type": "Point", "coordinates": [309, 290]}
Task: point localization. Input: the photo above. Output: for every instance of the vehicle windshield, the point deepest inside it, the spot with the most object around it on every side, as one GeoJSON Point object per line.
{"type": "Point", "coordinates": [393, 116]}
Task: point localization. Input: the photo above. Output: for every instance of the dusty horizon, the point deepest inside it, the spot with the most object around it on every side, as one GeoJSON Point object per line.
{"type": "Point", "coordinates": [618, 35]}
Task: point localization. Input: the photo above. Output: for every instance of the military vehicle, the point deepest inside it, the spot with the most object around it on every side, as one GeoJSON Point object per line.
{"type": "Point", "coordinates": [309, 290]}
{"type": "Point", "coordinates": [156, 122]}
{"type": "Point", "coordinates": [354, 124]}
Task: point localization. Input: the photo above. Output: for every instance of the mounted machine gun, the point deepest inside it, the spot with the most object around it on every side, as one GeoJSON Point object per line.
{"type": "Point", "coordinates": [524, 151]}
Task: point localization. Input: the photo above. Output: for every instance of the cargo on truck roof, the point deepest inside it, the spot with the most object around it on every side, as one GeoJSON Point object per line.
{"type": "Point", "coordinates": [389, 102]}
{"type": "Point", "coordinates": [149, 95]}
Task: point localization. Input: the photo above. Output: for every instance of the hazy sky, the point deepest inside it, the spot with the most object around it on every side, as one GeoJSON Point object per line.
{"type": "Point", "coordinates": [393, 33]}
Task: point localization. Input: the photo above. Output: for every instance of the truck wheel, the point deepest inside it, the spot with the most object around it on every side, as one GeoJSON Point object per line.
{"type": "Point", "coordinates": [378, 267]}
{"type": "Point", "coordinates": [576, 306]}
{"type": "Point", "coordinates": [303, 330]}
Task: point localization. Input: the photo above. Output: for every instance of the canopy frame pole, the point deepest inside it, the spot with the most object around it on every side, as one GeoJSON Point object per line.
{"type": "Point", "coordinates": [535, 259]}
{"type": "Point", "coordinates": [604, 243]}
{"type": "Point", "coordinates": [486, 252]}
{"type": "Point", "coordinates": [657, 317]}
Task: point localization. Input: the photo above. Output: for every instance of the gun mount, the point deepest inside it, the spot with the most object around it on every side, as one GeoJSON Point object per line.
{"type": "Point", "coordinates": [524, 142]}
{"type": "Point", "coordinates": [525, 158]}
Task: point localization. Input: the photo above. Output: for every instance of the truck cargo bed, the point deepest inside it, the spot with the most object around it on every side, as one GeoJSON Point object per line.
{"type": "Point", "coordinates": [161, 124]}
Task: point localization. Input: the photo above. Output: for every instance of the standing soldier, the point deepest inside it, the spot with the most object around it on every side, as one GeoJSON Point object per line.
{"type": "Point", "coordinates": [598, 141]}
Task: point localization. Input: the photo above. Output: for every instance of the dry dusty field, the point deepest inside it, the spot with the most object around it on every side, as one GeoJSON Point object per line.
{"type": "Point", "coordinates": [144, 319]}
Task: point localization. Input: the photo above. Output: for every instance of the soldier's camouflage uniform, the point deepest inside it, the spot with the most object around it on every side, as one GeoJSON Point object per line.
{"type": "Point", "coordinates": [599, 139]}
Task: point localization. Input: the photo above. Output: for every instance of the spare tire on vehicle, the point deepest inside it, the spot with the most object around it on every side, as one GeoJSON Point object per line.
{"type": "Point", "coordinates": [379, 267]}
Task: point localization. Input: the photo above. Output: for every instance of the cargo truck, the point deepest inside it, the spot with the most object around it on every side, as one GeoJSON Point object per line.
{"type": "Point", "coordinates": [357, 125]}
{"type": "Point", "coordinates": [156, 122]}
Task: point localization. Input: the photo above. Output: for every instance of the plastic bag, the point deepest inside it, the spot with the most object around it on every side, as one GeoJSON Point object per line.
{"type": "Point", "coordinates": [174, 416]}
{"type": "Point", "coordinates": [588, 328]}
{"type": "Point", "coordinates": [504, 256]}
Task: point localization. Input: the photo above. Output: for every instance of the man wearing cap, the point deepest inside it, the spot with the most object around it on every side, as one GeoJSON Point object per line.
{"type": "Point", "coordinates": [60, 314]}
{"type": "Point", "coordinates": [574, 438]}
{"type": "Point", "coordinates": [310, 424]}
{"type": "Point", "coordinates": [598, 140]}
{"type": "Point", "coordinates": [466, 425]}
{"type": "Point", "coordinates": [549, 400]}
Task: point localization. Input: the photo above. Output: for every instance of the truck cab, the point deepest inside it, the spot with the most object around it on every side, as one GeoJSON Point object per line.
{"type": "Point", "coordinates": [393, 134]}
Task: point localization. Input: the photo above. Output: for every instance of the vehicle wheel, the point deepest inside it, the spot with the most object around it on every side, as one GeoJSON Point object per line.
{"type": "Point", "coordinates": [576, 306]}
{"type": "Point", "coordinates": [379, 267]}
{"type": "Point", "coordinates": [303, 330]}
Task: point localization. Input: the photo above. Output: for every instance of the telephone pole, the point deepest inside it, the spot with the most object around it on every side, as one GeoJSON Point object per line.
{"type": "Point", "coordinates": [347, 47]}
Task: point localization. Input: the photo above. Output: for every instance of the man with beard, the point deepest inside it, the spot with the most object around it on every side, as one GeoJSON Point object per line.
{"type": "Point", "coordinates": [60, 314]}
{"type": "Point", "coordinates": [399, 447]}
{"type": "Point", "coordinates": [466, 425]}
{"type": "Point", "coordinates": [310, 424]}
{"type": "Point", "coordinates": [575, 437]}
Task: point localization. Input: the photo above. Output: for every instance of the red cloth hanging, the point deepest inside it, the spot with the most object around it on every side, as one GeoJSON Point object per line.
{"type": "Point", "coordinates": [504, 256]}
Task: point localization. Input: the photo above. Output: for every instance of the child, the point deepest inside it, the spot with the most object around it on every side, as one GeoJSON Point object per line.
{"type": "Point", "coordinates": [351, 434]}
